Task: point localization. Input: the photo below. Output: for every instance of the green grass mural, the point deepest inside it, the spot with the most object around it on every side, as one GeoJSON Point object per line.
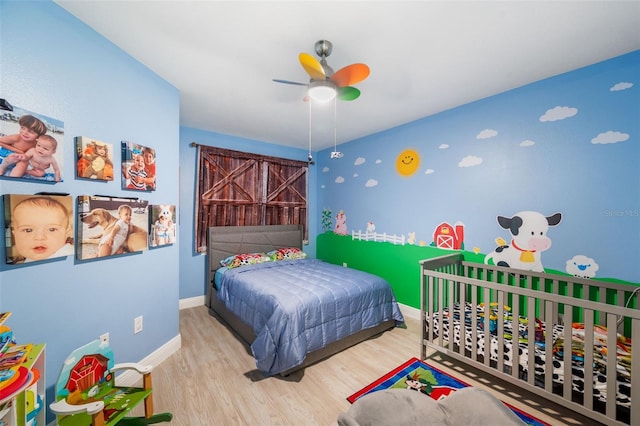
{"type": "Point", "coordinates": [398, 264]}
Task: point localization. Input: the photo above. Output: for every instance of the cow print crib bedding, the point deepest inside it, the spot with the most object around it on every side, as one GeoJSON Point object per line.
{"type": "Point", "coordinates": [600, 350]}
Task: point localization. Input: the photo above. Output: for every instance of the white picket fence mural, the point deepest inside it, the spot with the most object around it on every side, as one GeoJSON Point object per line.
{"type": "Point", "coordinates": [377, 237]}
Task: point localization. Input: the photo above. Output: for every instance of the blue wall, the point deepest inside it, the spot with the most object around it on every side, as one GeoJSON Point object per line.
{"type": "Point", "coordinates": [193, 265]}
{"type": "Point", "coordinates": [506, 154]}
{"type": "Point", "coordinates": [55, 65]}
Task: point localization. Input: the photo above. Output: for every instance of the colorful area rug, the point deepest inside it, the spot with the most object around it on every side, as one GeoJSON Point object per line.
{"type": "Point", "coordinates": [429, 380]}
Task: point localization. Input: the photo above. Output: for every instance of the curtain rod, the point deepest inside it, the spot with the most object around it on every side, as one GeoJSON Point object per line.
{"type": "Point", "coordinates": [242, 154]}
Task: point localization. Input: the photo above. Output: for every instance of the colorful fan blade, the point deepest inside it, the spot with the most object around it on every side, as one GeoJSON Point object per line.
{"type": "Point", "coordinates": [350, 75]}
{"type": "Point", "coordinates": [289, 82]}
{"type": "Point", "coordinates": [348, 93]}
{"type": "Point", "coordinates": [312, 66]}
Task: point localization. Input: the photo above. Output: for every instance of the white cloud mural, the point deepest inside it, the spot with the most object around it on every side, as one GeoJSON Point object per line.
{"type": "Point", "coordinates": [558, 113]}
{"type": "Point", "coordinates": [359, 161]}
{"type": "Point", "coordinates": [428, 171]}
{"type": "Point", "coordinates": [339, 179]}
{"type": "Point", "coordinates": [378, 161]}
{"type": "Point", "coordinates": [371, 182]}
{"type": "Point", "coordinates": [470, 161]}
{"type": "Point", "coordinates": [325, 169]}
{"type": "Point", "coordinates": [443, 146]}
{"type": "Point", "coordinates": [527, 143]}
{"type": "Point", "coordinates": [610, 137]}
{"type": "Point", "coordinates": [623, 85]}
{"type": "Point", "coordinates": [355, 175]}
{"type": "Point", "coordinates": [486, 134]}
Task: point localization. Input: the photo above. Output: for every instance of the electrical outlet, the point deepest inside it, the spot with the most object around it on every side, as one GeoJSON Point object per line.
{"type": "Point", "coordinates": [137, 325]}
{"type": "Point", "coordinates": [104, 338]}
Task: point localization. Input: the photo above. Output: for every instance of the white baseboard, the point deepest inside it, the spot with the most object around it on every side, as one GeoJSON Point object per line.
{"type": "Point", "coordinates": [192, 302]}
{"type": "Point", "coordinates": [131, 378]}
{"type": "Point", "coordinates": [409, 312]}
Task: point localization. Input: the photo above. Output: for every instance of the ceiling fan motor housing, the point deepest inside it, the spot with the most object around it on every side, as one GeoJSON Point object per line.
{"type": "Point", "coordinates": [323, 48]}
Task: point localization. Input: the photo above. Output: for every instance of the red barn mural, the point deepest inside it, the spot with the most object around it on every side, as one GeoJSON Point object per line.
{"type": "Point", "coordinates": [449, 237]}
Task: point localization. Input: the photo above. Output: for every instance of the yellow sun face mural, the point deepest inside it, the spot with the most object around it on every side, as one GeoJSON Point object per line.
{"type": "Point", "coordinates": [407, 162]}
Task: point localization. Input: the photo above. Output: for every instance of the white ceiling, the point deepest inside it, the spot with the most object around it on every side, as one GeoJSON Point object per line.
{"type": "Point", "coordinates": [425, 56]}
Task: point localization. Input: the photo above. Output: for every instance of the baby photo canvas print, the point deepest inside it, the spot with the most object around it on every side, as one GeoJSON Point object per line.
{"type": "Point", "coordinates": [94, 159]}
{"type": "Point", "coordinates": [163, 225]}
{"type": "Point", "coordinates": [38, 227]}
{"type": "Point", "coordinates": [109, 226]}
{"type": "Point", "coordinates": [138, 167]}
{"type": "Point", "coordinates": [31, 146]}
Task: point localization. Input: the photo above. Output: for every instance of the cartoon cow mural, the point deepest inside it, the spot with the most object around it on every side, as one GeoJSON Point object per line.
{"type": "Point", "coordinates": [529, 238]}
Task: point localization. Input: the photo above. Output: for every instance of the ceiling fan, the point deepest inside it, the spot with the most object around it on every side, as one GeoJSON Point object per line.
{"type": "Point", "coordinates": [325, 84]}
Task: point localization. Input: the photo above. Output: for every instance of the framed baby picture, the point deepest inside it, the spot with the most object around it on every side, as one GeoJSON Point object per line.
{"type": "Point", "coordinates": [31, 146]}
{"type": "Point", "coordinates": [94, 159]}
{"type": "Point", "coordinates": [163, 225]}
{"type": "Point", "coordinates": [38, 227]}
{"type": "Point", "coordinates": [109, 226]}
{"type": "Point", "coordinates": [138, 167]}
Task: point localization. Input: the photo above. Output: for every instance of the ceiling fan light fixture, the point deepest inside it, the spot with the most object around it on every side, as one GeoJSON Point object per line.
{"type": "Point", "coordinates": [322, 90]}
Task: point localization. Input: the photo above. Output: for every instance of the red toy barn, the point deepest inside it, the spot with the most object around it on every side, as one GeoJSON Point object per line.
{"type": "Point", "coordinates": [87, 372]}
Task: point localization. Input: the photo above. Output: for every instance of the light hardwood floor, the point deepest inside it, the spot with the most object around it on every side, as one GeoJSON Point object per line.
{"type": "Point", "coordinates": [212, 379]}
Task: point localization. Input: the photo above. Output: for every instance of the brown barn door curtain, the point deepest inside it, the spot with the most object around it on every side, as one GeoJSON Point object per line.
{"type": "Point", "coordinates": [242, 189]}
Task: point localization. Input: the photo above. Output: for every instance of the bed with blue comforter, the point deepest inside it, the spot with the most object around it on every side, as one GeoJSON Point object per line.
{"type": "Point", "coordinates": [296, 307]}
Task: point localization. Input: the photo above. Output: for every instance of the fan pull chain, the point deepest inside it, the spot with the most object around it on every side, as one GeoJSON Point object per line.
{"type": "Point", "coordinates": [335, 153]}
{"type": "Point", "coordinates": [335, 120]}
{"type": "Point", "coordinates": [310, 157]}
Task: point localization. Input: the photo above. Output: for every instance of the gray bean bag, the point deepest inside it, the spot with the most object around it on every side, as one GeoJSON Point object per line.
{"type": "Point", "coordinates": [397, 407]}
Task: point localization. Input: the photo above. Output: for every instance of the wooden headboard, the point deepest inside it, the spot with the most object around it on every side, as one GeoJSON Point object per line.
{"type": "Point", "coordinates": [224, 241]}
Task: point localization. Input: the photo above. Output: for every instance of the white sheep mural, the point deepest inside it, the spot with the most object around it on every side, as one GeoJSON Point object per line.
{"type": "Point", "coordinates": [582, 266]}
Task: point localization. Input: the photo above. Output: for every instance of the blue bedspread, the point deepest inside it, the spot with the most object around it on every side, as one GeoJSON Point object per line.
{"type": "Point", "coordinates": [298, 306]}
